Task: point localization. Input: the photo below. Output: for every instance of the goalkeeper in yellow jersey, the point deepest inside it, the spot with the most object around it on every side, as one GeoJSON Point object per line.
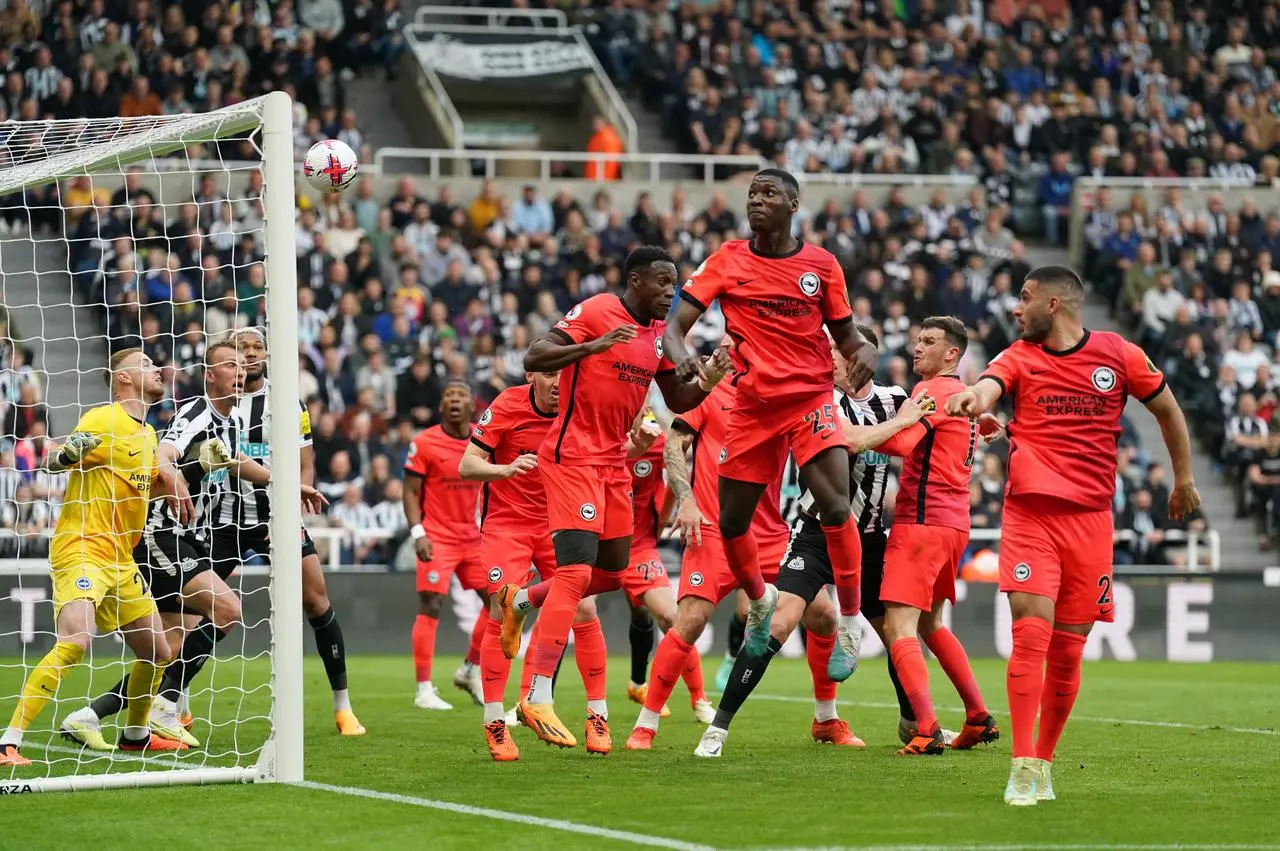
{"type": "Point", "coordinates": [111, 457]}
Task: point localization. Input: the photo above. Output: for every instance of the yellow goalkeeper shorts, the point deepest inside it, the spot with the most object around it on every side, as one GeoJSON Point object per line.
{"type": "Point", "coordinates": [118, 594]}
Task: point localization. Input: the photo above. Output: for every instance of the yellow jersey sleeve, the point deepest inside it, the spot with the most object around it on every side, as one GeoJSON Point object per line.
{"type": "Point", "coordinates": [98, 421]}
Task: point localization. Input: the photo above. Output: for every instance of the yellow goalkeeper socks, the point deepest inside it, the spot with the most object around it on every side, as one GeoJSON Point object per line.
{"type": "Point", "coordinates": [144, 678]}
{"type": "Point", "coordinates": [41, 686]}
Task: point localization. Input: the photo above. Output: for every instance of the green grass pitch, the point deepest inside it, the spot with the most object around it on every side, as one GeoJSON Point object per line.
{"type": "Point", "coordinates": [1160, 756]}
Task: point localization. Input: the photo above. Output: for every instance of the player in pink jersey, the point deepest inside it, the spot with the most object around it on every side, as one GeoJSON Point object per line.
{"type": "Point", "coordinates": [778, 294]}
{"type": "Point", "coordinates": [926, 542]}
{"type": "Point", "coordinates": [1069, 387]}
{"type": "Point", "coordinates": [610, 349]}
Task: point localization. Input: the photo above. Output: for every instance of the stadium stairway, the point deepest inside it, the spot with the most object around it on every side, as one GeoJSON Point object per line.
{"type": "Point", "coordinates": [1238, 538]}
{"type": "Point", "coordinates": [62, 335]}
{"type": "Point", "coordinates": [380, 120]}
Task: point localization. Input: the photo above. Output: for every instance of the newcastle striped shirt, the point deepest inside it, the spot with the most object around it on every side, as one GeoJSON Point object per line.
{"type": "Point", "coordinates": [195, 423]}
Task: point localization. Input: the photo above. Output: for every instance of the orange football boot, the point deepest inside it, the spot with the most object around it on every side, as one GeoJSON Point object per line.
{"type": "Point", "coordinates": [977, 731]}
{"type": "Point", "coordinates": [9, 756]}
{"type": "Point", "coordinates": [925, 745]}
{"type": "Point", "coordinates": [347, 722]}
{"type": "Point", "coordinates": [154, 743]}
{"type": "Point", "coordinates": [541, 718]}
{"type": "Point", "coordinates": [641, 739]}
{"type": "Point", "coordinates": [512, 620]}
{"type": "Point", "coordinates": [835, 732]}
{"type": "Point", "coordinates": [599, 740]}
{"type": "Point", "coordinates": [501, 746]}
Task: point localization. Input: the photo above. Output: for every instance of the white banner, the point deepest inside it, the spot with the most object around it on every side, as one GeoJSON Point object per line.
{"type": "Point", "coordinates": [493, 61]}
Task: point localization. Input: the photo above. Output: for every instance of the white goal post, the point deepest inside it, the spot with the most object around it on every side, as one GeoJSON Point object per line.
{"type": "Point", "coordinates": [169, 156]}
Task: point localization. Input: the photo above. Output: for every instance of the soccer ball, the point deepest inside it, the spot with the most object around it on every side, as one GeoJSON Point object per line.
{"type": "Point", "coordinates": [330, 166]}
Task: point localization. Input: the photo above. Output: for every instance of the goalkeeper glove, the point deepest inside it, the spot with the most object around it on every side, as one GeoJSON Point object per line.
{"type": "Point", "coordinates": [77, 446]}
{"type": "Point", "coordinates": [214, 455]}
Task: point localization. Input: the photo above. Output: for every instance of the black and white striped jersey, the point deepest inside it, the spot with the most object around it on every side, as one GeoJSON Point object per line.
{"type": "Point", "coordinates": [193, 425]}
{"type": "Point", "coordinates": [869, 471]}
{"type": "Point", "coordinates": [250, 504]}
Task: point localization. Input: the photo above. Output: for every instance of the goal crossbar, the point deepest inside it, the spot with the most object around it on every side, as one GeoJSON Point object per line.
{"type": "Point", "coordinates": [79, 150]}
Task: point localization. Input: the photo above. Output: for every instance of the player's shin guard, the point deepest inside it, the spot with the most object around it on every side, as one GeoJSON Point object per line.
{"type": "Point", "coordinates": [424, 645]}
{"type": "Point", "coordinates": [668, 666]}
{"type": "Point", "coordinates": [744, 560]}
{"type": "Point", "coordinates": [817, 651]}
{"type": "Point", "coordinates": [495, 669]}
{"type": "Point", "coordinates": [904, 705]}
{"type": "Point", "coordinates": [567, 588]}
{"type": "Point", "coordinates": [41, 686]}
{"type": "Point", "coordinates": [333, 649]}
{"type": "Point", "coordinates": [943, 643]}
{"type": "Point", "coordinates": [692, 676]}
{"type": "Point", "coordinates": [593, 658]}
{"type": "Point", "coordinates": [144, 679]}
{"type": "Point", "coordinates": [1024, 679]}
{"type": "Point", "coordinates": [747, 672]}
{"type": "Point", "coordinates": [641, 640]}
{"type": "Point", "coordinates": [909, 661]}
{"type": "Point", "coordinates": [844, 545]}
{"type": "Point", "coordinates": [1061, 685]}
{"type": "Point", "coordinates": [477, 637]}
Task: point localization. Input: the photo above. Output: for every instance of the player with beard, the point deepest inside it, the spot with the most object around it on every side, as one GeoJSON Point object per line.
{"type": "Point", "coordinates": [1069, 387]}
{"type": "Point", "coordinates": [242, 527]}
{"type": "Point", "coordinates": [777, 294]}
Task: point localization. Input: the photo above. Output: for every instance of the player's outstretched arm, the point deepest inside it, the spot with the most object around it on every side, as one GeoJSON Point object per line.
{"type": "Point", "coordinates": [555, 350]}
{"type": "Point", "coordinates": [475, 466]}
{"type": "Point", "coordinates": [74, 449]}
{"type": "Point", "coordinates": [976, 400]}
{"type": "Point", "coordinates": [881, 436]}
{"type": "Point", "coordinates": [1183, 498]}
{"type": "Point", "coordinates": [688, 520]}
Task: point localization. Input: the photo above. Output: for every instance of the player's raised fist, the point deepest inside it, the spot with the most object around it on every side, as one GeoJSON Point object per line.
{"type": "Point", "coordinates": [79, 445]}
{"type": "Point", "coordinates": [1184, 499]}
{"type": "Point", "coordinates": [520, 466]}
{"type": "Point", "coordinates": [621, 334]}
{"type": "Point", "coordinates": [688, 369]}
{"type": "Point", "coordinates": [963, 404]}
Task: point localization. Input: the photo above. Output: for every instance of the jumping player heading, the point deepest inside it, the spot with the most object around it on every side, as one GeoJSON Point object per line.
{"type": "Point", "coordinates": [777, 293]}
{"type": "Point", "coordinates": [1069, 388]}
{"type": "Point", "coordinates": [611, 349]}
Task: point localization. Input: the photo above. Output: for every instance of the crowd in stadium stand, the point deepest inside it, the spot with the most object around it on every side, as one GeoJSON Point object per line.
{"type": "Point", "coordinates": [399, 294]}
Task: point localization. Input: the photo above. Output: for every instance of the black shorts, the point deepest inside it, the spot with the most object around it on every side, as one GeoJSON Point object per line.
{"type": "Point", "coordinates": [231, 546]}
{"type": "Point", "coordinates": [806, 568]}
{"type": "Point", "coordinates": [168, 559]}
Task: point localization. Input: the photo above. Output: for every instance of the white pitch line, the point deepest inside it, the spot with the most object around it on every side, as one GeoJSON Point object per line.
{"type": "Point", "coordinates": [518, 818]}
{"type": "Point", "coordinates": [1093, 719]}
{"type": "Point", "coordinates": [1092, 847]}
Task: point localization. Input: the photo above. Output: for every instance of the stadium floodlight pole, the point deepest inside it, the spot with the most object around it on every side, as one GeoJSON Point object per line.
{"type": "Point", "coordinates": [281, 759]}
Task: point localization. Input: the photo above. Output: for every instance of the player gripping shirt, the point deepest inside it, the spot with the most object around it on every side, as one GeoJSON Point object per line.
{"type": "Point", "coordinates": [515, 541]}
{"type": "Point", "coordinates": [926, 544]}
{"type": "Point", "coordinates": [112, 461]}
{"type": "Point", "coordinates": [1069, 387]}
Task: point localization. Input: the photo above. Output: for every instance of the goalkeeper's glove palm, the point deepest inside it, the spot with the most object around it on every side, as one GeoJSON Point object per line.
{"type": "Point", "coordinates": [214, 455]}
{"type": "Point", "coordinates": [79, 445]}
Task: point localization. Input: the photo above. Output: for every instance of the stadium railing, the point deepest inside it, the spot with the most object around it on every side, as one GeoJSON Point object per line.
{"type": "Point", "coordinates": [642, 166]}
{"type": "Point", "coordinates": [553, 19]}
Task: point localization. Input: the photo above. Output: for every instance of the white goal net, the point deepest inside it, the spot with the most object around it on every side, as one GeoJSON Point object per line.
{"type": "Point", "coordinates": [163, 234]}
